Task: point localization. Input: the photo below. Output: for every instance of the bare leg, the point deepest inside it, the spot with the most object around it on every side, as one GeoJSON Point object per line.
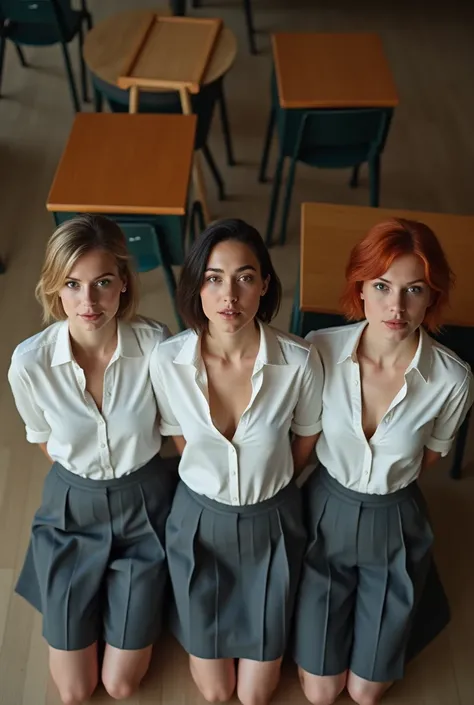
{"type": "Point", "coordinates": [257, 681]}
{"type": "Point", "coordinates": [215, 678]}
{"type": "Point", "coordinates": [75, 673]}
{"type": "Point", "coordinates": [365, 692]}
{"type": "Point", "coordinates": [123, 670]}
{"type": "Point", "coordinates": [322, 690]}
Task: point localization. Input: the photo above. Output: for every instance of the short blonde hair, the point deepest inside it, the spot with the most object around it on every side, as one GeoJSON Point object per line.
{"type": "Point", "coordinates": [70, 241]}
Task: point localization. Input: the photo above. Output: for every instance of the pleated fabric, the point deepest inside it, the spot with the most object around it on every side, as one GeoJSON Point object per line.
{"type": "Point", "coordinates": [96, 564]}
{"type": "Point", "coordinates": [367, 572]}
{"type": "Point", "coordinates": [234, 573]}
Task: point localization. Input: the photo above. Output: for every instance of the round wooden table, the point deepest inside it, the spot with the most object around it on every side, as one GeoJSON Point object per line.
{"type": "Point", "coordinates": [107, 46]}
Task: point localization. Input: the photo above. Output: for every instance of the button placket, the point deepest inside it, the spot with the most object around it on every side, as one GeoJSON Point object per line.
{"type": "Point", "coordinates": [234, 474]}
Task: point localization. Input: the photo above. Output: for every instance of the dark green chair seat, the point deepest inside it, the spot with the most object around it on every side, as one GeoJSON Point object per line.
{"type": "Point", "coordinates": [203, 104]}
{"type": "Point", "coordinates": [45, 23]}
{"type": "Point", "coordinates": [460, 339]}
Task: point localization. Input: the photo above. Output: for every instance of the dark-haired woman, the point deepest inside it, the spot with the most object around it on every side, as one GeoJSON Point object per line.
{"type": "Point", "coordinates": [230, 391]}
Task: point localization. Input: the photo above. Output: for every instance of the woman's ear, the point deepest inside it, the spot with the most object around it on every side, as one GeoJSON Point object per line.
{"type": "Point", "coordinates": [265, 286]}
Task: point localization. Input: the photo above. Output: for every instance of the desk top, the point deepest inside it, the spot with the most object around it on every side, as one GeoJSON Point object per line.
{"type": "Point", "coordinates": [332, 71]}
{"type": "Point", "coordinates": [108, 44]}
{"type": "Point", "coordinates": [121, 163]}
{"type": "Point", "coordinates": [328, 233]}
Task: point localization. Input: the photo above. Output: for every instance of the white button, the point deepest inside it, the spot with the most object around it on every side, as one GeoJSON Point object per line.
{"type": "Point", "coordinates": [367, 472]}
{"type": "Point", "coordinates": [356, 383]}
{"type": "Point", "coordinates": [109, 393]}
{"type": "Point", "coordinates": [102, 445]}
{"type": "Point", "coordinates": [233, 473]}
{"type": "Point", "coordinates": [234, 499]}
{"type": "Point", "coordinates": [387, 419]}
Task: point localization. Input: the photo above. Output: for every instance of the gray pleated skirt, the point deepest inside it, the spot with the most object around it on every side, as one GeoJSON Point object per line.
{"type": "Point", "coordinates": [96, 566]}
{"type": "Point", "coordinates": [369, 597]}
{"type": "Point", "coordinates": [234, 573]}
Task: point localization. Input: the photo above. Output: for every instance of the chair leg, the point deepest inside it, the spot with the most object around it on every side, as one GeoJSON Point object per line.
{"type": "Point", "coordinates": [82, 63]}
{"type": "Point", "coordinates": [262, 177]}
{"type": "Point", "coordinates": [70, 75]}
{"type": "Point", "coordinates": [225, 125]}
{"type": "Point", "coordinates": [2, 267]}
{"type": "Point", "coordinates": [21, 56]}
{"type": "Point", "coordinates": [197, 224]}
{"type": "Point", "coordinates": [171, 286]}
{"type": "Point", "coordinates": [287, 202]}
{"type": "Point", "coordinates": [456, 467]}
{"type": "Point", "coordinates": [274, 199]}
{"type": "Point", "coordinates": [98, 99]}
{"type": "Point", "coordinates": [250, 26]}
{"type": "Point", "coordinates": [200, 186]}
{"type": "Point", "coordinates": [374, 180]}
{"type": "Point", "coordinates": [354, 182]}
{"type": "Point", "coordinates": [296, 314]}
{"type": "Point", "coordinates": [2, 55]}
{"type": "Point", "coordinates": [214, 171]}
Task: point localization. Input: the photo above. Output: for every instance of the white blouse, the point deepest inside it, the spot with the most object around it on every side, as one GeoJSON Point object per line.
{"type": "Point", "coordinates": [427, 411]}
{"type": "Point", "coordinates": [50, 393]}
{"type": "Point", "coordinates": [286, 395]}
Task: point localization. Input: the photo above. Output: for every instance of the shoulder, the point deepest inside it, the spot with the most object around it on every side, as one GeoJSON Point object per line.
{"type": "Point", "coordinates": [148, 332]}
{"type": "Point", "coordinates": [37, 350]}
{"type": "Point", "coordinates": [172, 347]}
{"type": "Point", "coordinates": [331, 342]}
{"type": "Point", "coordinates": [294, 349]}
{"type": "Point", "coordinates": [447, 366]}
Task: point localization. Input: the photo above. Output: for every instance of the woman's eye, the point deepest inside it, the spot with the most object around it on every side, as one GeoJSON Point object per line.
{"type": "Point", "coordinates": [103, 283]}
{"type": "Point", "coordinates": [246, 278]}
{"type": "Point", "coordinates": [72, 285]}
{"type": "Point", "coordinates": [415, 289]}
{"type": "Point", "coordinates": [380, 287]}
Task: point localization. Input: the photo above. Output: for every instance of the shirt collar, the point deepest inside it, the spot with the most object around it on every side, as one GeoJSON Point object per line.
{"type": "Point", "coordinates": [269, 352]}
{"type": "Point", "coordinates": [127, 344]}
{"type": "Point", "coordinates": [421, 360]}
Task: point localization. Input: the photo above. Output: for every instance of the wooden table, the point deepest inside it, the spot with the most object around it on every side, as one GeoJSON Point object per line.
{"type": "Point", "coordinates": [328, 233]}
{"type": "Point", "coordinates": [136, 170]}
{"type": "Point", "coordinates": [125, 164]}
{"type": "Point", "coordinates": [106, 48]}
{"type": "Point", "coordinates": [332, 71]}
{"type": "Point", "coordinates": [315, 71]}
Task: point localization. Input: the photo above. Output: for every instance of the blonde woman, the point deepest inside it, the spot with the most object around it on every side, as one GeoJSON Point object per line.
{"type": "Point", "coordinates": [95, 566]}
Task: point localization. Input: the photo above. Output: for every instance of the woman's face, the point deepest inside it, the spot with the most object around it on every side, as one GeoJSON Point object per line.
{"type": "Point", "coordinates": [91, 293]}
{"type": "Point", "coordinates": [233, 287]}
{"type": "Point", "coordinates": [395, 304]}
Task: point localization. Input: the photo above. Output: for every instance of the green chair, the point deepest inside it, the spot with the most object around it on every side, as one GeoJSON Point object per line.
{"type": "Point", "coordinates": [45, 23]}
{"type": "Point", "coordinates": [457, 338]}
{"type": "Point", "coordinates": [203, 104]}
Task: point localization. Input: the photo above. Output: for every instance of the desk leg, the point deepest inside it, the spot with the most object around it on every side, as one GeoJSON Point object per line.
{"type": "Point", "coordinates": [200, 186]}
{"type": "Point", "coordinates": [178, 7]}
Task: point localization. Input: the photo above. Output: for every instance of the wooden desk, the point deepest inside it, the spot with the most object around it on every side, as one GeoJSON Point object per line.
{"type": "Point", "coordinates": [332, 71]}
{"type": "Point", "coordinates": [135, 164]}
{"type": "Point", "coordinates": [107, 45]}
{"type": "Point", "coordinates": [328, 233]}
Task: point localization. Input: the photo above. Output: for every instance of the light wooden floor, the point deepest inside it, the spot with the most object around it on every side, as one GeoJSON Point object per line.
{"type": "Point", "coordinates": [428, 165]}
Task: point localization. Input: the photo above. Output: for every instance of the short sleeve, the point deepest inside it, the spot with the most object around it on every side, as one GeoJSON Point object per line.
{"type": "Point", "coordinates": [169, 425]}
{"type": "Point", "coordinates": [308, 411]}
{"type": "Point", "coordinates": [37, 428]}
{"type": "Point", "coordinates": [451, 417]}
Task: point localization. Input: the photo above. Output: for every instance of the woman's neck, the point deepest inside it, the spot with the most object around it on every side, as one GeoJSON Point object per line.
{"type": "Point", "coordinates": [100, 343]}
{"type": "Point", "coordinates": [232, 346]}
{"type": "Point", "coordinates": [387, 353]}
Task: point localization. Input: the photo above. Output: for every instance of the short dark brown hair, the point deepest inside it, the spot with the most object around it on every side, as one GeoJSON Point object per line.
{"type": "Point", "coordinates": [374, 254]}
{"type": "Point", "coordinates": [195, 264]}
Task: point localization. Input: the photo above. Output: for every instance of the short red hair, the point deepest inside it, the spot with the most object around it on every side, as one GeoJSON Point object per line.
{"type": "Point", "coordinates": [373, 255]}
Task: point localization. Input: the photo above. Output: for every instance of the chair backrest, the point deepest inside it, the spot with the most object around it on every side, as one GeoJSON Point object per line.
{"type": "Point", "coordinates": [317, 321]}
{"type": "Point", "coordinates": [143, 245]}
{"type": "Point", "coordinates": [51, 12]}
{"type": "Point", "coordinates": [340, 138]}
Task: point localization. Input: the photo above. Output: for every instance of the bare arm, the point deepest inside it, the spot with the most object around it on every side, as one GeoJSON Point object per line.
{"type": "Point", "coordinates": [429, 458]}
{"type": "Point", "coordinates": [301, 449]}
{"type": "Point", "coordinates": [43, 448]}
{"type": "Point", "coordinates": [180, 443]}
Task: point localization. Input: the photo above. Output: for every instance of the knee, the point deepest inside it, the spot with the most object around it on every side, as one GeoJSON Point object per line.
{"type": "Point", "coordinates": [119, 689]}
{"type": "Point", "coordinates": [217, 693]}
{"type": "Point", "coordinates": [321, 692]}
{"type": "Point", "coordinates": [361, 696]}
{"type": "Point", "coordinates": [75, 694]}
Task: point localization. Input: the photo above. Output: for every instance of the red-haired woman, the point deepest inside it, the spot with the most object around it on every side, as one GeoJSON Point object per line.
{"type": "Point", "coordinates": [393, 400]}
